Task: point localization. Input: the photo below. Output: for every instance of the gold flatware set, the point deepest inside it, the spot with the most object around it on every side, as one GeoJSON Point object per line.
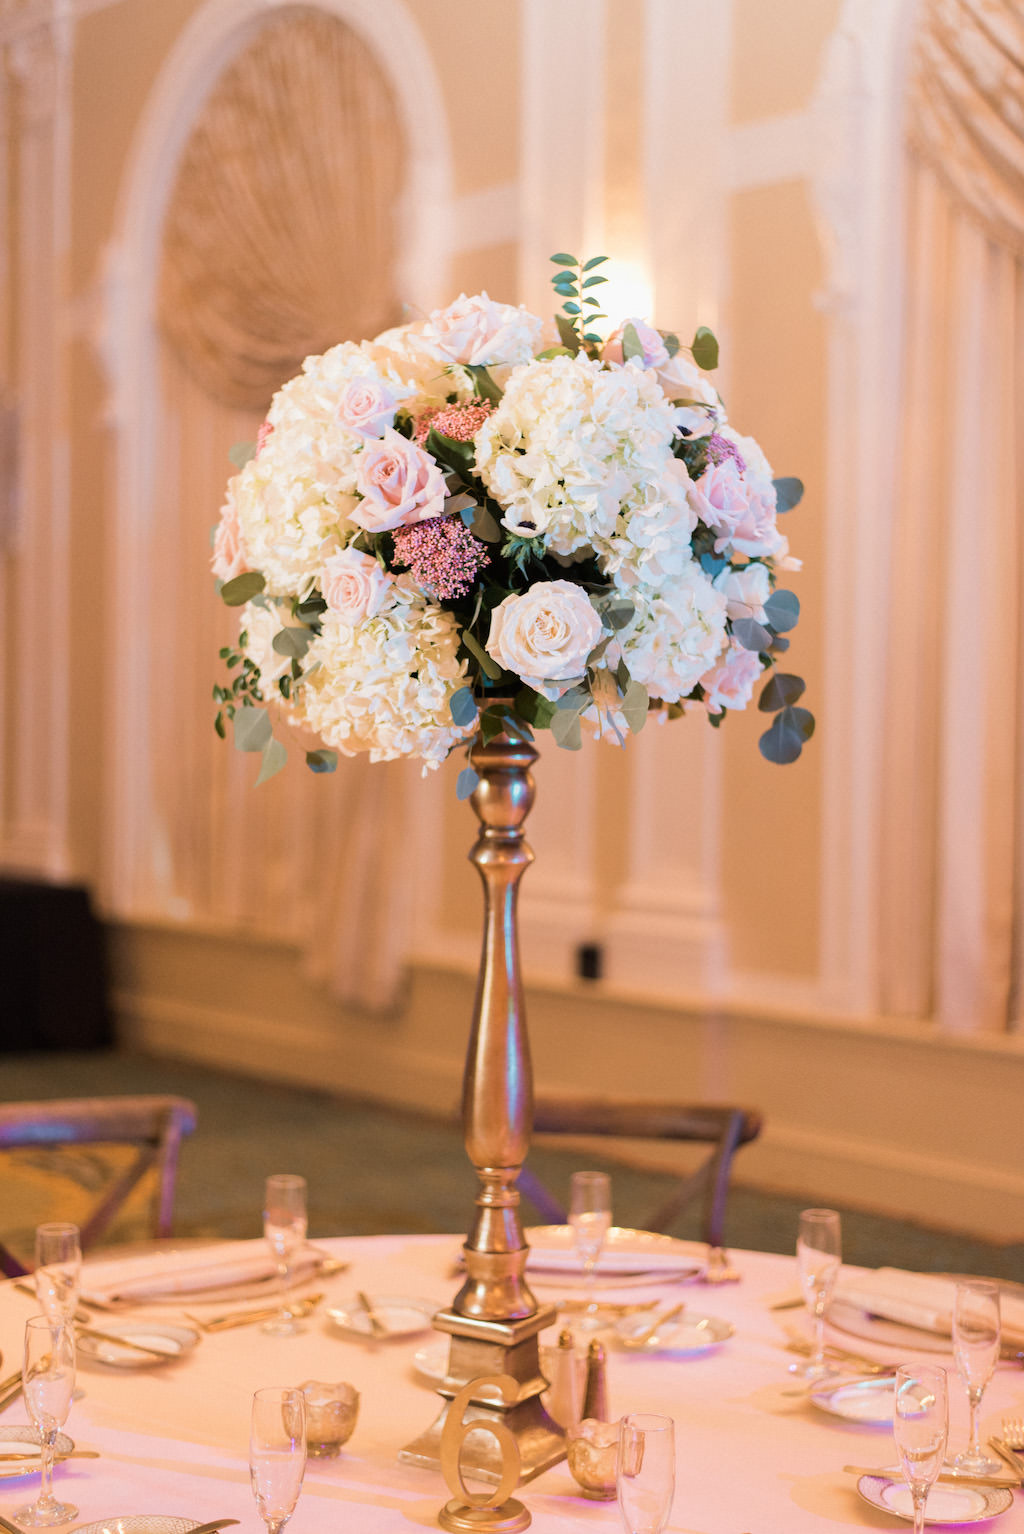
{"type": "Point", "coordinates": [232, 1318]}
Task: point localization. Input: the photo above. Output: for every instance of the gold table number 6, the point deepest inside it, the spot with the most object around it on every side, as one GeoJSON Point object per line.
{"type": "Point", "coordinates": [495, 1512]}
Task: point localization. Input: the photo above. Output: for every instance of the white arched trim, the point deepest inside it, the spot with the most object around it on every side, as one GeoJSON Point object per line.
{"type": "Point", "coordinates": [219, 31]}
{"type": "Point", "coordinates": [857, 134]}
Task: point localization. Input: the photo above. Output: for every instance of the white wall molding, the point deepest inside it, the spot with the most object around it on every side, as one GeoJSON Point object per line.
{"type": "Point", "coordinates": [858, 150]}
{"type": "Point", "coordinates": [213, 36]}
{"type": "Point", "coordinates": [36, 837]}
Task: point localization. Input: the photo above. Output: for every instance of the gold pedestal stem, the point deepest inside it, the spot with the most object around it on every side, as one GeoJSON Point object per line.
{"type": "Point", "coordinates": [494, 1320]}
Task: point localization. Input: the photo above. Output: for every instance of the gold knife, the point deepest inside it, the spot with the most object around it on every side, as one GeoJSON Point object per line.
{"type": "Point", "coordinates": [68, 1454]}
{"type": "Point", "coordinates": [656, 1325]}
{"type": "Point", "coordinates": [377, 1326]}
{"type": "Point", "coordinates": [1012, 1458]}
{"type": "Point", "coordinates": [894, 1473]}
{"type": "Point", "coordinates": [123, 1342]}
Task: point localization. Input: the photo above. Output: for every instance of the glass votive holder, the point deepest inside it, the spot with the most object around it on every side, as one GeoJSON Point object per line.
{"type": "Point", "coordinates": [593, 1452]}
{"type": "Point", "coordinates": [331, 1412]}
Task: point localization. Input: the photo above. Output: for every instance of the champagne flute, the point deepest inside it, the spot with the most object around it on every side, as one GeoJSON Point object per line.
{"type": "Point", "coordinates": [818, 1250]}
{"type": "Point", "coordinates": [58, 1270]}
{"type": "Point", "coordinates": [920, 1425]}
{"type": "Point", "coordinates": [590, 1215]}
{"type": "Point", "coordinates": [277, 1453]}
{"type": "Point", "coordinates": [284, 1225]}
{"type": "Point", "coordinates": [976, 1337]}
{"type": "Point", "coordinates": [48, 1379]}
{"type": "Point", "coordinates": [646, 1478]}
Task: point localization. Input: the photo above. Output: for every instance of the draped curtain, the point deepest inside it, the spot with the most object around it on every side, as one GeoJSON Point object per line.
{"type": "Point", "coordinates": [953, 902]}
{"type": "Point", "coordinates": [280, 240]}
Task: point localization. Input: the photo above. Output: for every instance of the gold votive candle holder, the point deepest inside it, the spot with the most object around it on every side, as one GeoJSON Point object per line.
{"type": "Point", "coordinates": [593, 1453]}
{"type": "Point", "coordinates": [331, 1412]}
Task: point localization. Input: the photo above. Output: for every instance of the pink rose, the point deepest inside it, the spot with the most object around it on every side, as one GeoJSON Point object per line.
{"type": "Point", "coordinates": [478, 331]}
{"type": "Point", "coordinates": [745, 591]}
{"type": "Point", "coordinates": [354, 585]}
{"type": "Point", "coordinates": [228, 555]}
{"type": "Point", "coordinates": [366, 407]}
{"type": "Point", "coordinates": [399, 483]}
{"type": "Point", "coordinates": [730, 682]}
{"type": "Point", "coordinates": [655, 353]}
{"type": "Point", "coordinates": [721, 496]}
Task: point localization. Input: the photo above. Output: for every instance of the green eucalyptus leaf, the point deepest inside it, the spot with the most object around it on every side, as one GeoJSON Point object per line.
{"type": "Point", "coordinates": [618, 614]}
{"type": "Point", "coordinates": [483, 384]}
{"type": "Point", "coordinates": [463, 505]}
{"type": "Point", "coordinates": [561, 259]}
{"type": "Point", "coordinates": [565, 727]}
{"type": "Point", "coordinates": [555, 351]}
{"type": "Point", "coordinates": [463, 706]}
{"type": "Point", "coordinates": [466, 782]}
{"type": "Point", "coordinates": [535, 708]}
{"type": "Point", "coordinates": [632, 346]}
{"type": "Point", "coordinates": [784, 740]}
{"type": "Point", "coordinates": [789, 492]}
{"type": "Point", "coordinates": [487, 665]}
{"type": "Point", "coordinates": [571, 308]}
{"type": "Point", "coordinates": [750, 634]}
{"type": "Point", "coordinates": [491, 725]}
{"type": "Point", "coordinates": [322, 760]}
{"type": "Point", "coordinates": [782, 611]}
{"type": "Point", "coordinates": [671, 341]}
{"type": "Point", "coordinates": [592, 282]}
{"type": "Point", "coordinates": [622, 676]}
{"type": "Point", "coordinates": [293, 642]}
{"type": "Point", "coordinates": [782, 690]}
{"type": "Point", "coordinates": [274, 757]}
{"type": "Point", "coordinates": [567, 332]}
{"type": "Point", "coordinates": [573, 698]}
{"type": "Point", "coordinates": [634, 706]}
{"type": "Point", "coordinates": [242, 589]}
{"type": "Point", "coordinates": [588, 266]}
{"type": "Point", "coordinates": [704, 347]}
{"type": "Point", "coordinates": [252, 729]}
{"type": "Point", "coordinates": [241, 452]}
{"type": "Point", "coordinates": [485, 526]}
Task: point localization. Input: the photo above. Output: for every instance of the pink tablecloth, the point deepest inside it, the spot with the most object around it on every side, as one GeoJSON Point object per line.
{"type": "Point", "coordinates": [173, 1439]}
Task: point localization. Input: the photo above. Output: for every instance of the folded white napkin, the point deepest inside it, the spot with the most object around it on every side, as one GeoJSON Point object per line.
{"type": "Point", "coordinates": [924, 1300]}
{"type": "Point", "coordinates": [162, 1275]}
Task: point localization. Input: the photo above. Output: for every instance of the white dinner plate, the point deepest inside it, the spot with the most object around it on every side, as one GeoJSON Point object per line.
{"type": "Point", "coordinates": [161, 1336]}
{"type": "Point", "coordinates": [859, 1323]}
{"type": "Point", "coordinates": [626, 1253]}
{"type": "Point", "coordinates": [399, 1315]}
{"type": "Point", "coordinates": [868, 1400]}
{"type": "Point", "coordinates": [946, 1504]}
{"type": "Point", "coordinates": [16, 1440]}
{"type": "Point", "coordinates": [140, 1523]}
{"type": "Point", "coordinates": [686, 1337]}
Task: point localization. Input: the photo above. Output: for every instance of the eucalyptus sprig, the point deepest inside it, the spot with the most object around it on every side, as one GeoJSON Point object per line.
{"type": "Point", "coordinates": [580, 308]}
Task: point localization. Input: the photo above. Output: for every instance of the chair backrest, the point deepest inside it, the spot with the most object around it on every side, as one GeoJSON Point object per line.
{"type": "Point", "coordinates": [154, 1126]}
{"type": "Point", "coordinates": [723, 1129]}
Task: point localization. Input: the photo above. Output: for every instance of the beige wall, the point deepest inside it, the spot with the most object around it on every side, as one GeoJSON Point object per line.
{"type": "Point", "coordinates": [769, 1033]}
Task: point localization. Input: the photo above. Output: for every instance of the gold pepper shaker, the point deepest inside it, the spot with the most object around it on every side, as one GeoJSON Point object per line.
{"type": "Point", "coordinates": [595, 1394]}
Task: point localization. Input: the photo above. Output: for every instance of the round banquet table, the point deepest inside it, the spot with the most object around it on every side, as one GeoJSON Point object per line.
{"type": "Point", "coordinates": [173, 1438]}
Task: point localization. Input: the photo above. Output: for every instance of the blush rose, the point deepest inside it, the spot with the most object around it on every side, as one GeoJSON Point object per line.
{"type": "Point", "coordinates": [366, 407]}
{"type": "Point", "coordinates": [354, 585]}
{"type": "Point", "coordinates": [399, 484]}
{"type": "Point", "coordinates": [545, 634]}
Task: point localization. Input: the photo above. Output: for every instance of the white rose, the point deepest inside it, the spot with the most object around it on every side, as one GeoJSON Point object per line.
{"type": "Point", "coordinates": [354, 586]}
{"type": "Point", "coordinates": [682, 379]}
{"type": "Point", "coordinates": [745, 591]}
{"type": "Point", "coordinates": [546, 634]}
{"type": "Point", "coordinates": [479, 331]}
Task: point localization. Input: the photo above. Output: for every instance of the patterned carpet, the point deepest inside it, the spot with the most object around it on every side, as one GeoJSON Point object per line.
{"type": "Point", "coordinates": [374, 1170]}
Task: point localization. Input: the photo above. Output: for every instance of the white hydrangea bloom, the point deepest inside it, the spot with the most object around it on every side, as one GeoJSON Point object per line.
{"type": "Point", "coordinates": [675, 635]}
{"type": "Point", "coordinates": [300, 488]}
{"type": "Point", "coordinates": [572, 444]}
{"type": "Point", "coordinates": [651, 541]}
{"type": "Point", "coordinates": [385, 685]}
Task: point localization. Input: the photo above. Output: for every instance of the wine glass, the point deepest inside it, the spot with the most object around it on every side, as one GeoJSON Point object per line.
{"type": "Point", "coordinates": [277, 1453]}
{"type": "Point", "coordinates": [647, 1472]}
{"type": "Point", "coordinates": [976, 1337]}
{"type": "Point", "coordinates": [58, 1270]}
{"type": "Point", "coordinates": [48, 1379]}
{"type": "Point", "coordinates": [818, 1250]}
{"type": "Point", "coordinates": [284, 1225]}
{"type": "Point", "coordinates": [920, 1425]}
{"type": "Point", "coordinates": [590, 1215]}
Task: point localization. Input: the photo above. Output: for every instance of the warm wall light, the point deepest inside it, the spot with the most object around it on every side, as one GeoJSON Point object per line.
{"type": "Point", "coordinates": [628, 293]}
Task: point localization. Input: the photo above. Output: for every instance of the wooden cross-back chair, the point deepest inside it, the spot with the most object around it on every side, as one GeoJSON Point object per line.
{"type": "Point", "coordinates": [154, 1125]}
{"type": "Point", "coordinates": [722, 1129]}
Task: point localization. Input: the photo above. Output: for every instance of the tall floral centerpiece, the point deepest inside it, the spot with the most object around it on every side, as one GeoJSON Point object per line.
{"type": "Point", "coordinates": [473, 528]}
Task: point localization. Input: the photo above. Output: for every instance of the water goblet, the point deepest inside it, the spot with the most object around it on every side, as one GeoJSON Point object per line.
{"type": "Point", "coordinates": [277, 1453]}
{"type": "Point", "coordinates": [284, 1226]}
{"type": "Point", "coordinates": [58, 1270]}
{"type": "Point", "coordinates": [590, 1215]}
{"type": "Point", "coordinates": [818, 1250]}
{"type": "Point", "coordinates": [647, 1472]}
{"type": "Point", "coordinates": [976, 1338]}
{"type": "Point", "coordinates": [920, 1426]}
{"type": "Point", "coordinates": [48, 1379]}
